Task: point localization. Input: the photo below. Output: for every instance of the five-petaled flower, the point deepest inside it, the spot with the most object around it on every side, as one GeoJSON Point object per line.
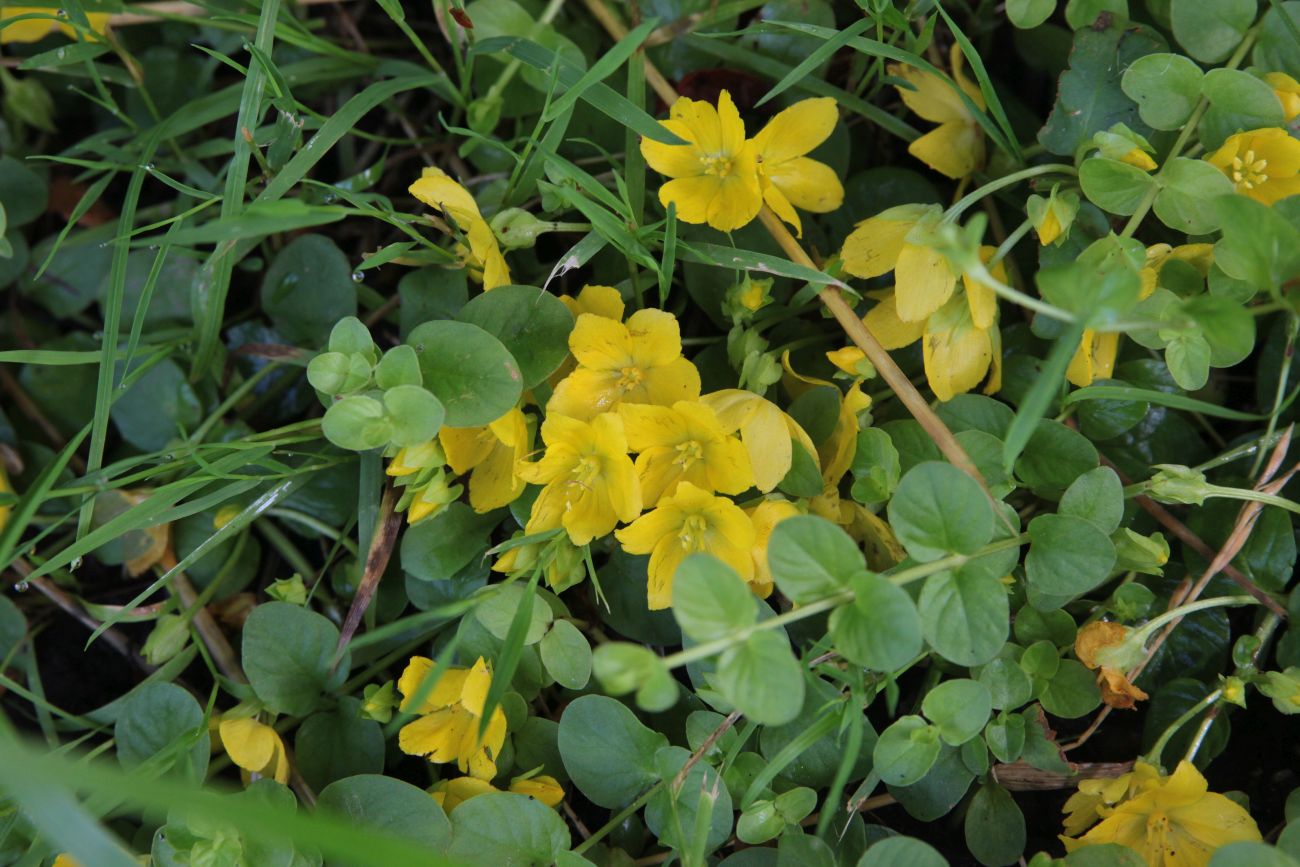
{"type": "Point", "coordinates": [590, 483]}
{"type": "Point", "coordinates": [489, 455]}
{"type": "Point", "coordinates": [639, 361]}
{"type": "Point", "coordinates": [1261, 163]}
{"type": "Point", "coordinates": [450, 703]}
{"type": "Point", "coordinates": [684, 443]}
{"type": "Point", "coordinates": [1172, 821]}
{"type": "Point", "coordinates": [691, 520]}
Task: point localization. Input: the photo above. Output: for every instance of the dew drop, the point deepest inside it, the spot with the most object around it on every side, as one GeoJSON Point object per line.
{"type": "Point", "coordinates": [22, 586]}
{"type": "Point", "coordinates": [358, 276]}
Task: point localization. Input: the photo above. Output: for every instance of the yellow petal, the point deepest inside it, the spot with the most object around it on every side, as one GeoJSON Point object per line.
{"type": "Point", "coordinates": [872, 248]}
{"type": "Point", "coordinates": [954, 149]}
{"type": "Point", "coordinates": [675, 161]}
{"type": "Point", "coordinates": [924, 282]}
{"type": "Point", "coordinates": [892, 332]}
{"type": "Point", "coordinates": [466, 447]}
{"type": "Point", "coordinates": [982, 300]}
{"type": "Point", "coordinates": [808, 184]}
{"type": "Point", "coordinates": [641, 536]}
{"type": "Point", "coordinates": [767, 440]}
{"type": "Point", "coordinates": [250, 744]}
{"type": "Point", "coordinates": [647, 426]}
{"type": "Point", "coordinates": [543, 788]}
{"type": "Point", "coordinates": [930, 96]}
{"type": "Point", "coordinates": [797, 130]}
{"type": "Point", "coordinates": [957, 354]}
{"type": "Point", "coordinates": [600, 300]}
{"type": "Point", "coordinates": [676, 381]}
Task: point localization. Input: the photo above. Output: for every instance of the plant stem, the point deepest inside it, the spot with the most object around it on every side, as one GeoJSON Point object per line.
{"type": "Point", "coordinates": [993, 186]}
{"type": "Point", "coordinates": [716, 646]}
{"type": "Point", "coordinates": [1153, 755]}
{"type": "Point", "coordinates": [617, 820]}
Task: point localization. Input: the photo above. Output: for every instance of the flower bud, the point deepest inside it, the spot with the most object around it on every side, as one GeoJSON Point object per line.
{"type": "Point", "coordinates": [1121, 143]}
{"type": "Point", "coordinates": [1174, 483]}
{"type": "Point", "coordinates": [517, 229]}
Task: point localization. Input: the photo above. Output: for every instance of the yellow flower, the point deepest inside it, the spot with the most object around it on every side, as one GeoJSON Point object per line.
{"type": "Point", "coordinates": [36, 29]}
{"type": "Point", "coordinates": [450, 794]}
{"type": "Point", "coordinates": [836, 453]}
{"type": "Point", "coordinates": [489, 455]}
{"type": "Point", "coordinates": [958, 353]}
{"type": "Point", "coordinates": [850, 360]}
{"type": "Point", "coordinates": [684, 443]}
{"type": "Point", "coordinates": [255, 747]}
{"type": "Point", "coordinates": [691, 520]}
{"type": "Point", "coordinates": [714, 175]}
{"type": "Point", "coordinates": [5, 488]}
{"type": "Point", "coordinates": [437, 190]}
{"type": "Point", "coordinates": [590, 483]}
{"type": "Point", "coordinates": [448, 728]}
{"type": "Point", "coordinates": [1170, 821]}
{"type": "Point", "coordinates": [1095, 357]}
{"type": "Point", "coordinates": [956, 148]}
{"type": "Point", "coordinates": [600, 300]}
{"type": "Point", "coordinates": [789, 178]}
{"type": "Point", "coordinates": [414, 459]}
{"type": "Point", "coordinates": [923, 278]}
{"type": "Point", "coordinates": [1262, 163]}
{"type": "Point", "coordinates": [766, 432]}
{"type": "Point", "coordinates": [1287, 90]}
{"type": "Point", "coordinates": [765, 516]}
{"type": "Point", "coordinates": [637, 362]}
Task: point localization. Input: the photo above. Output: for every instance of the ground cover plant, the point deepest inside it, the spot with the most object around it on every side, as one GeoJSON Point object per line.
{"type": "Point", "coordinates": [802, 432]}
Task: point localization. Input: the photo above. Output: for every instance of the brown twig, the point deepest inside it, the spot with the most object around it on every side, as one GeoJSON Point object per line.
{"type": "Point", "coordinates": [213, 638]}
{"type": "Point", "coordinates": [615, 28]}
{"type": "Point", "coordinates": [381, 548]}
{"type": "Point", "coordinates": [704, 748]}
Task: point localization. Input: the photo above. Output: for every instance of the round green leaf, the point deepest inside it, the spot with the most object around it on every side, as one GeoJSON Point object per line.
{"type": "Point", "coordinates": [1210, 30]}
{"type": "Point", "coordinates": [1071, 692]}
{"type": "Point", "coordinates": [497, 611]}
{"type": "Point", "coordinates": [288, 655]}
{"type": "Point", "coordinates": [158, 408]}
{"type": "Point", "coordinates": [1053, 458]}
{"type": "Point", "coordinates": [762, 678]}
{"type": "Point", "coordinates": [939, 510]}
{"type": "Point", "coordinates": [356, 422]}
{"type": "Point", "coordinates": [414, 415]}
{"type": "Point", "coordinates": [607, 753]}
{"type": "Point", "coordinates": [508, 829]}
{"type": "Point", "coordinates": [959, 708]}
{"type": "Point", "coordinates": [709, 599]}
{"type": "Point", "coordinates": [532, 324]}
{"type": "Point", "coordinates": [1238, 101]}
{"type": "Point", "coordinates": [1027, 14]}
{"type": "Point", "coordinates": [964, 616]}
{"type": "Point", "coordinates": [905, 751]}
{"type": "Point", "coordinates": [995, 827]}
{"type": "Point", "coordinates": [880, 629]}
{"type": "Point", "coordinates": [1114, 186]}
{"type": "Point", "coordinates": [811, 558]}
{"type": "Point", "coordinates": [1096, 496]}
{"type": "Point", "coordinates": [677, 816]}
{"type": "Point", "coordinates": [467, 369]}
{"type": "Point", "coordinates": [1165, 87]}
{"type": "Point", "coordinates": [902, 852]}
{"type": "Point", "coordinates": [391, 806]}
{"type": "Point", "coordinates": [308, 289]}
{"type": "Point", "coordinates": [335, 744]}
{"type": "Point", "coordinates": [437, 549]}
{"type": "Point", "coordinates": [1188, 189]}
{"type": "Point", "coordinates": [24, 193]}
{"type": "Point", "coordinates": [566, 655]}
{"type": "Point", "coordinates": [161, 719]}
{"type": "Point", "coordinates": [1067, 556]}
{"type": "Point", "coordinates": [1007, 683]}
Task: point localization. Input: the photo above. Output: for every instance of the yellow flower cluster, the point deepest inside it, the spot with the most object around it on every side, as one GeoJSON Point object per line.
{"type": "Point", "coordinates": [961, 344]}
{"type": "Point", "coordinates": [721, 178]}
{"type": "Point", "coordinates": [450, 707]}
{"type": "Point", "coordinates": [1171, 821]}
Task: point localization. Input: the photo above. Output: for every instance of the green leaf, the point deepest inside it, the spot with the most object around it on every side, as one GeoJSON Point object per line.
{"type": "Point", "coordinates": [335, 744]}
{"type": "Point", "coordinates": [762, 678]}
{"type": "Point", "coordinates": [414, 415]}
{"type": "Point", "coordinates": [964, 616]}
{"type": "Point", "coordinates": [607, 753]}
{"type": "Point", "coordinates": [1054, 457]}
{"type": "Point", "coordinates": [399, 366]}
{"type": "Point", "coordinates": [159, 720]}
{"type": "Point", "coordinates": [1188, 358]}
{"type": "Point", "coordinates": [307, 289]}
{"type": "Point", "coordinates": [23, 191]}
{"type": "Point", "coordinates": [602, 68]}
{"type": "Point", "coordinates": [437, 549]}
{"type": "Point", "coordinates": [1258, 246]}
{"type": "Point", "coordinates": [876, 467]}
{"type": "Point", "coordinates": [288, 653]}
{"type": "Point", "coordinates": [1165, 87]}
{"type": "Point", "coordinates": [357, 422]}
{"type": "Point", "coordinates": [505, 828]}
{"type": "Point", "coordinates": [939, 510]}
{"type": "Point", "coordinates": [1277, 46]}
{"type": "Point", "coordinates": [1005, 736]}
{"type": "Point", "coordinates": [1114, 186]}
{"type": "Point", "coordinates": [811, 558]}
{"type": "Point", "coordinates": [709, 599]}
{"type": "Point", "coordinates": [697, 817]}
{"type": "Point", "coordinates": [390, 806]}
{"type": "Point", "coordinates": [467, 369]}
{"type": "Point", "coordinates": [1089, 98]}
{"type": "Point", "coordinates": [905, 751]}
{"type": "Point", "coordinates": [1247, 854]}
{"type": "Point", "coordinates": [158, 408]}
{"type": "Point", "coordinates": [1097, 496]}
{"type": "Point", "coordinates": [1238, 101]}
{"type": "Point", "coordinates": [567, 655]}
{"type": "Point", "coordinates": [1067, 556]}
{"type": "Point", "coordinates": [959, 708]}
{"type": "Point", "coordinates": [497, 610]}
{"type": "Point", "coordinates": [532, 324]}
{"type": "Point", "coordinates": [1007, 683]}
{"type": "Point", "coordinates": [995, 827]}
{"type": "Point", "coordinates": [1071, 692]}
{"type": "Point", "coordinates": [902, 852]}
{"type": "Point", "coordinates": [881, 628]}
{"type": "Point", "coordinates": [1028, 14]}
{"type": "Point", "coordinates": [1188, 189]}
{"type": "Point", "coordinates": [1209, 31]}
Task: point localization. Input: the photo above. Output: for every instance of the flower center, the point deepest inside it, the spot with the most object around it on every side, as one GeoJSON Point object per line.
{"type": "Point", "coordinates": [586, 470]}
{"type": "Point", "coordinates": [630, 377]}
{"type": "Point", "coordinates": [688, 453]}
{"type": "Point", "coordinates": [1248, 170]}
{"type": "Point", "coordinates": [692, 532]}
{"type": "Point", "coordinates": [718, 165]}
